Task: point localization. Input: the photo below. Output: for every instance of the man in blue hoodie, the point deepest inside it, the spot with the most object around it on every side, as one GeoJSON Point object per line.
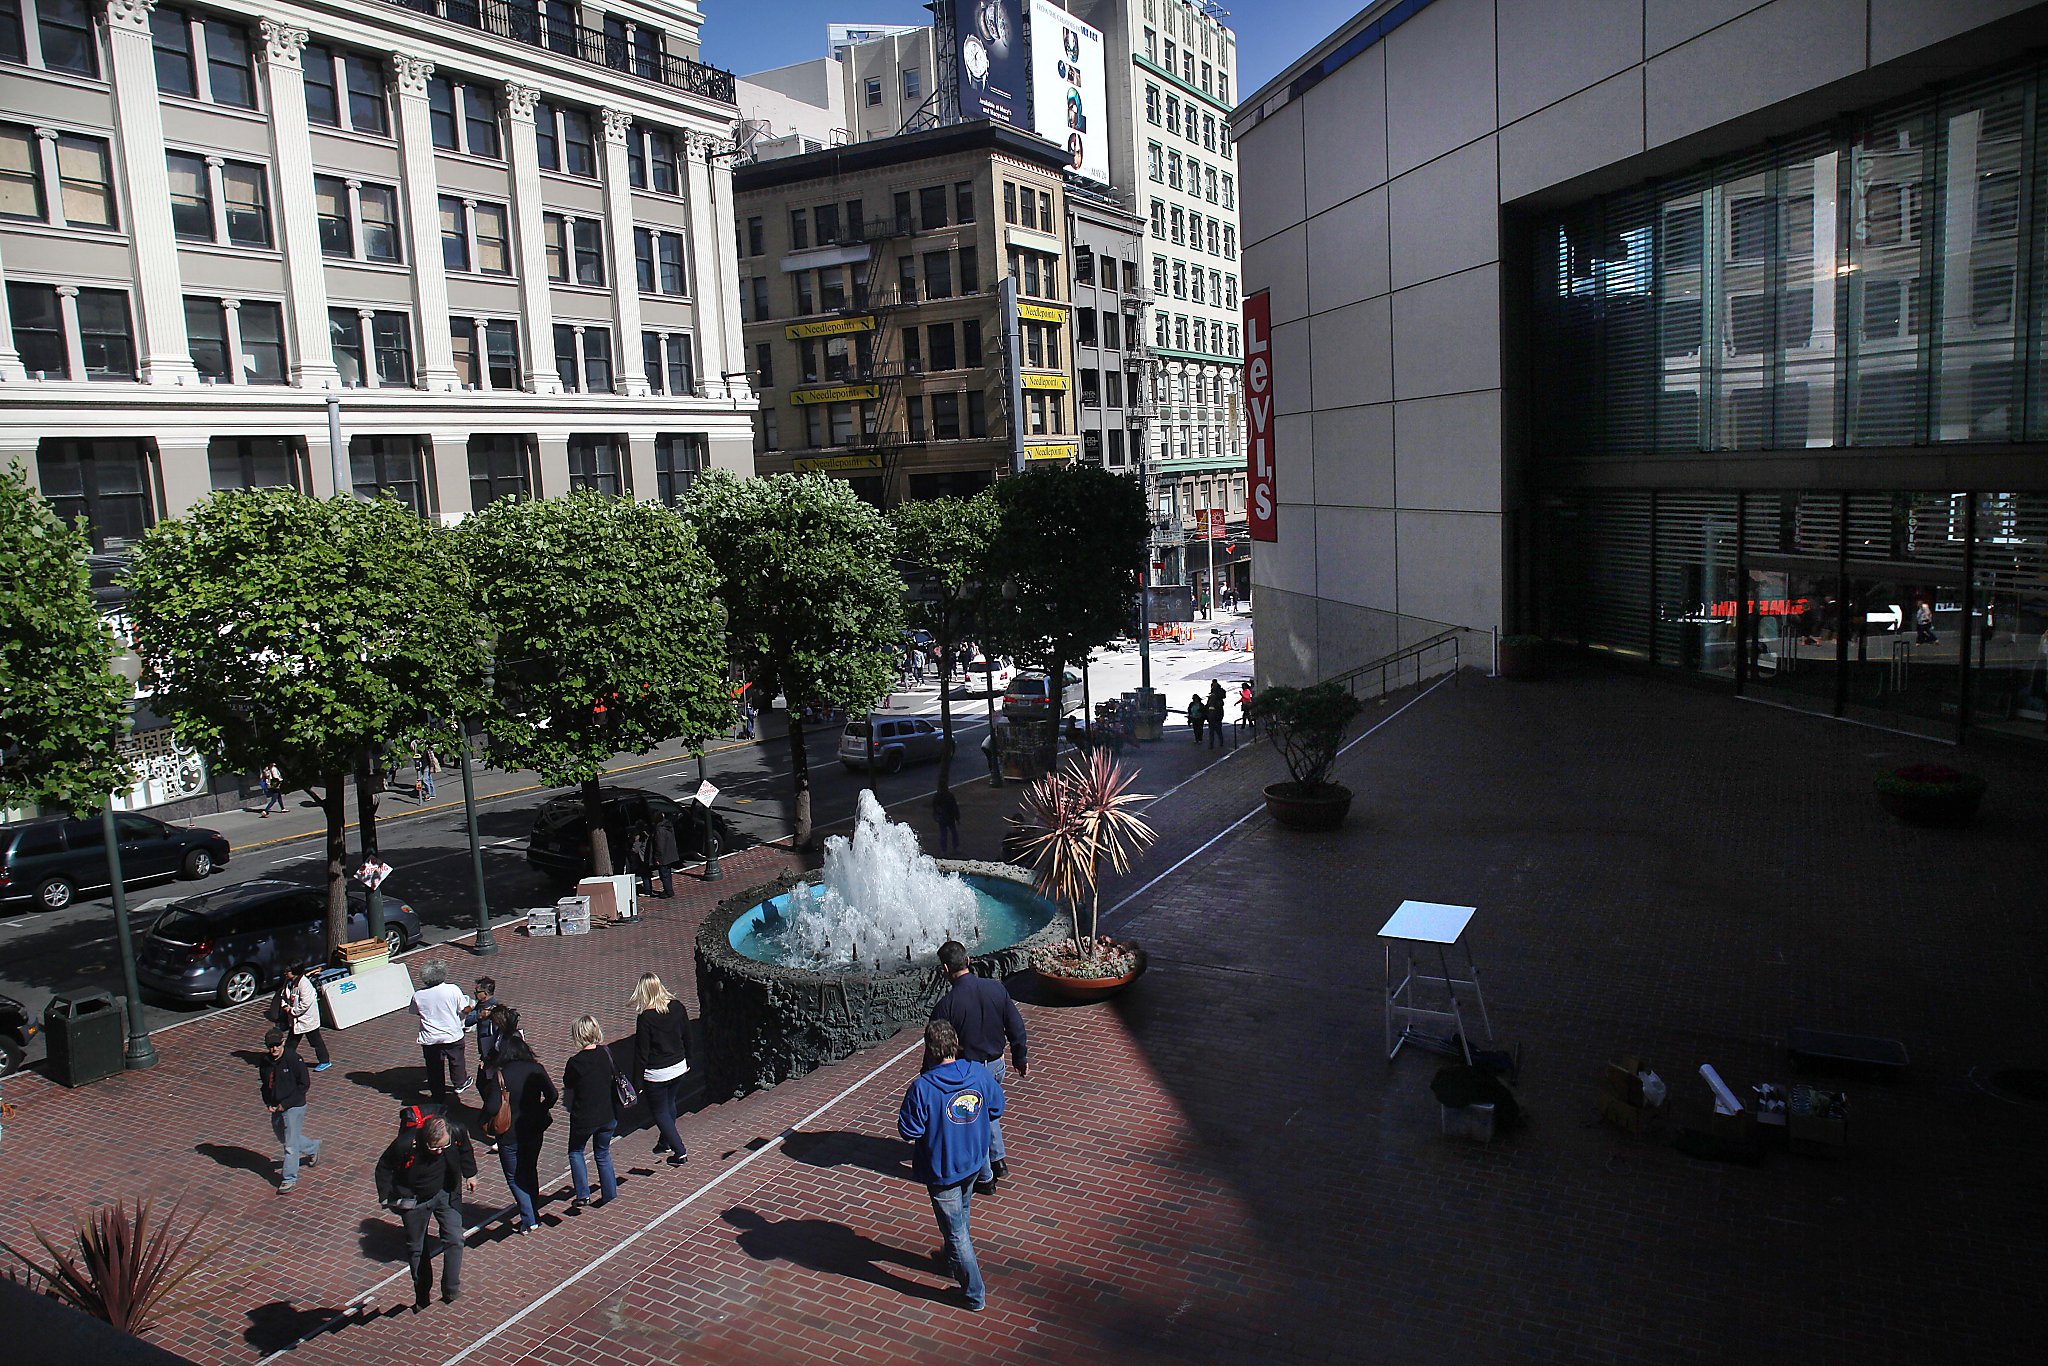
{"type": "Point", "coordinates": [947, 1113]}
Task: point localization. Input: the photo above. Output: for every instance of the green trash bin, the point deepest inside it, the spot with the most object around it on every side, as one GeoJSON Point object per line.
{"type": "Point", "coordinates": [85, 1037]}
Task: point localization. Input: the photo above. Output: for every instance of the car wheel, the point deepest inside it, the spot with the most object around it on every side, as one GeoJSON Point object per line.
{"type": "Point", "coordinates": [239, 987]}
{"type": "Point", "coordinates": [12, 1056]}
{"type": "Point", "coordinates": [394, 939]}
{"type": "Point", "coordinates": [198, 864]}
{"type": "Point", "coordinates": [55, 894]}
{"type": "Point", "coordinates": [894, 763]}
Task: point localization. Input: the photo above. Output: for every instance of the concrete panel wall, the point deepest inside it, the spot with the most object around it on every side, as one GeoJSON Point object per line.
{"type": "Point", "coordinates": [1345, 132]}
{"type": "Point", "coordinates": [1548, 52]}
{"type": "Point", "coordinates": [1767, 55]}
{"type": "Point", "coordinates": [1444, 217]}
{"type": "Point", "coordinates": [1447, 335]}
{"type": "Point", "coordinates": [1349, 246]}
{"type": "Point", "coordinates": [1448, 452]}
{"type": "Point", "coordinates": [1354, 449]}
{"type": "Point", "coordinates": [1351, 354]}
{"type": "Point", "coordinates": [1440, 82]}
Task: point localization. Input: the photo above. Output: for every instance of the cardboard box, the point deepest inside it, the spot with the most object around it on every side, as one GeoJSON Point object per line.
{"type": "Point", "coordinates": [1621, 1095]}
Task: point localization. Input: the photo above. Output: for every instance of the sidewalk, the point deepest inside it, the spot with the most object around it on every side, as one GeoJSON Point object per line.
{"type": "Point", "coordinates": [1220, 1165]}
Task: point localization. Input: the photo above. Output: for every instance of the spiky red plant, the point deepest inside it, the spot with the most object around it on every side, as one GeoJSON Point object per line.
{"type": "Point", "coordinates": [126, 1265]}
{"type": "Point", "coordinates": [1082, 813]}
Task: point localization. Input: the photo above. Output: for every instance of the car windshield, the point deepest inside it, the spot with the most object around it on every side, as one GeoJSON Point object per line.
{"type": "Point", "coordinates": [857, 729]}
{"type": "Point", "coordinates": [180, 926]}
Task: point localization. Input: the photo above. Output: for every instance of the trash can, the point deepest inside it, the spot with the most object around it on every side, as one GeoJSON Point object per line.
{"type": "Point", "coordinates": [85, 1037]}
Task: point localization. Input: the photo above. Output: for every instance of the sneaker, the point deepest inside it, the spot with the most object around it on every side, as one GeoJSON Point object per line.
{"type": "Point", "coordinates": [286, 1188]}
{"type": "Point", "coordinates": [322, 1067]}
{"type": "Point", "coordinates": [1000, 1168]}
{"type": "Point", "coordinates": [463, 1085]}
{"type": "Point", "coordinates": [311, 1159]}
{"type": "Point", "coordinates": [579, 1203]}
{"type": "Point", "coordinates": [678, 1159]}
{"type": "Point", "coordinates": [450, 1296]}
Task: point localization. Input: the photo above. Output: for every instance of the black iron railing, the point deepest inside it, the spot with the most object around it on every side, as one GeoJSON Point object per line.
{"type": "Point", "coordinates": [523, 23]}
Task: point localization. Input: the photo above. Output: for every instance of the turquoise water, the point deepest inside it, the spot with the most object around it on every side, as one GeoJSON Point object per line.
{"type": "Point", "coordinates": [1009, 911]}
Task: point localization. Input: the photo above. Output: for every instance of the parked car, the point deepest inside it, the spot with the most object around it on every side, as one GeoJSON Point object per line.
{"type": "Point", "coordinates": [1029, 692]}
{"type": "Point", "coordinates": [51, 859]}
{"type": "Point", "coordinates": [228, 945]}
{"type": "Point", "coordinates": [559, 845]}
{"type": "Point", "coordinates": [16, 1029]}
{"type": "Point", "coordinates": [899, 740]}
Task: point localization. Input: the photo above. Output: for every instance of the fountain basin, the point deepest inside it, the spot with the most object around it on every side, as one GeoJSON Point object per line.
{"type": "Point", "coordinates": [766, 1022]}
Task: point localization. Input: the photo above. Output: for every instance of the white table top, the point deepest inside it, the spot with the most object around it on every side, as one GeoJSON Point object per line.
{"type": "Point", "coordinates": [1427, 922]}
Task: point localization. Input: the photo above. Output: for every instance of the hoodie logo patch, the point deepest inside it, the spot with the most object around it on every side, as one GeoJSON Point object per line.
{"type": "Point", "coordinates": [963, 1108]}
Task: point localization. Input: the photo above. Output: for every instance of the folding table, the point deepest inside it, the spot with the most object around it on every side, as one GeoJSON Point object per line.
{"type": "Point", "coordinates": [1419, 926]}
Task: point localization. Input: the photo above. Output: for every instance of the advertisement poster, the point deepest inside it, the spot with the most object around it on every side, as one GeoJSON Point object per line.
{"type": "Point", "coordinates": [989, 36]}
{"type": "Point", "coordinates": [1262, 495]}
{"type": "Point", "coordinates": [1069, 101]}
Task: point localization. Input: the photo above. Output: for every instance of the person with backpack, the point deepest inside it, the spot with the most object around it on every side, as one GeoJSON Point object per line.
{"type": "Point", "coordinates": [272, 779]}
{"type": "Point", "coordinates": [518, 1100]}
{"type": "Point", "coordinates": [661, 1055]}
{"type": "Point", "coordinates": [299, 1005]}
{"type": "Point", "coordinates": [285, 1087]}
{"type": "Point", "coordinates": [1196, 714]}
{"type": "Point", "coordinates": [590, 1091]}
{"type": "Point", "coordinates": [425, 764]}
{"type": "Point", "coordinates": [422, 1177]}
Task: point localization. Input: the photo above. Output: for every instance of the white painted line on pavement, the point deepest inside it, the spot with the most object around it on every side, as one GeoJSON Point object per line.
{"type": "Point", "coordinates": [734, 1170]}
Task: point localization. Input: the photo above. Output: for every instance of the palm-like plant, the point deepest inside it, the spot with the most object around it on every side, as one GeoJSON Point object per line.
{"type": "Point", "coordinates": [126, 1264]}
{"type": "Point", "coordinates": [1083, 818]}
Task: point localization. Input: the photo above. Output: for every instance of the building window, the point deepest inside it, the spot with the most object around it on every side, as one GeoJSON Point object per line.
{"type": "Point", "coordinates": [21, 174]}
{"type": "Point", "coordinates": [1155, 161]}
{"type": "Point", "coordinates": [872, 89]}
{"type": "Point", "coordinates": [454, 234]}
{"type": "Point", "coordinates": [597, 360]}
{"type": "Point", "coordinates": [500, 466]}
{"type": "Point", "coordinates": [945, 417]}
{"type": "Point", "coordinates": [247, 200]}
{"type": "Point", "coordinates": [106, 339]}
{"type": "Point", "coordinates": [337, 231]}
{"type": "Point", "coordinates": [566, 366]}
{"type": "Point", "coordinates": [328, 74]}
{"type": "Point", "coordinates": [379, 205]}
{"type": "Point", "coordinates": [68, 44]}
{"type": "Point", "coordinates": [668, 247]}
{"type": "Point", "coordinates": [756, 237]}
{"type": "Point", "coordinates": [679, 457]}
{"type": "Point", "coordinates": [170, 33]}
{"type": "Point", "coordinates": [107, 482]}
{"type": "Point", "coordinates": [491, 226]}
{"type": "Point", "coordinates": [1152, 104]}
{"type": "Point", "coordinates": [555, 241]}
{"type": "Point", "coordinates": [913, 86]}
{"type": "Point", "coordinates": [1159, 218]}
{"type": "Point", "coordinates": [345, 340]}
{"type": "Point", "coordinates": [963, 202]}
{"type": "Point", "coordinates": [253, 462]}
{"type": "Point", "coordinates": [799, 229]}
{"type": "Point", "coordinates": [230, 68]}
{"type": "Point", "coordinates": [85, 178]}
{"type": "Point", "coordinates": [393, 465]}
{"type": "Point", "coordinates": [913, 414]}
{"type": "Point", "coordinates": [589, 250]}
{"type": "Point", "coordinates": [938, 275]}
{"type": "Point", "coordinates": [38, 321]}
{"type": "Point", "coordinates": [391, 340]}
{"type": "Point", "coordinates": [594, 463]}
{"type": "Point", "coordinates": [764, 365]}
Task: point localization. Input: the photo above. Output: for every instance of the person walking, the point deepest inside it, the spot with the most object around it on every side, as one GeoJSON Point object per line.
{"type": "Point", "coordinates": [425, 764]}
{"type": "Point", "coordinates": [984, 1019]}
{"type": "Point", "coordinates": [949, 1113]}
{"type": "Point", "coordinates": [946, 811]}
{"type": "Point", "coordinates": [518, 1080]}
{"type": "Point", "coordinates": [1244, 705]}
{"type": "Point", "coordinates": [272, 779]}
{"type": "Point", "coordinates": [663, 853]}
{"type": "Point", "coordinates": [589, 1086]}
{"type": "Point", "coordinates": [640, 849]}
{"type": "Point", "coordinates": [285, 1088]}
{"type": "Point", "coordinates": [301, 1006]}
{"type": "Point", "coordinates": [440, 1004]}
{"type": "Point", "coordinates": [1213, 711]}
{"type": "Point", "coordinates": [422, 1177]}
{"type": "Point", "coordinates": [1196, 713]}
{"type": "Point", "coordinates": [661, 1055]}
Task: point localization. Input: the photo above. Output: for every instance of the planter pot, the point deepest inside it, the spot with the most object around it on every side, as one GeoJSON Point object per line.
{"type": "Point", "coordinates": [1946, 810]}
{"type": "Point", "coordinates": [1086, 989]}
{"type": "Point", "coordinates": [1309, 808]}
{"type": "Point", "coordinates": [1523, 661]}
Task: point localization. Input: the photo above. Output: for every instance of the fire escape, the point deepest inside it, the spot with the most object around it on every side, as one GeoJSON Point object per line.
{"type": "Point", "coordinates": [881, 433]}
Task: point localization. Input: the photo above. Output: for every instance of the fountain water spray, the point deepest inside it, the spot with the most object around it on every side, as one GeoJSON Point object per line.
{"type": "Point", "coordinates": [879, 891]}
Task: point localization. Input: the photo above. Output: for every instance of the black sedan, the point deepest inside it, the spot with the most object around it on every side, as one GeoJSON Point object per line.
{"type": "Point", "coordinates": [52, 859]}
{"type": "Point", "coordinates": [560, 843]}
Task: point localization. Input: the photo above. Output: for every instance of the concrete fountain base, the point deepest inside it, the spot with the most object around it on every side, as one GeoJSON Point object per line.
{"type": "Point", "coordinates": [765, 1023]}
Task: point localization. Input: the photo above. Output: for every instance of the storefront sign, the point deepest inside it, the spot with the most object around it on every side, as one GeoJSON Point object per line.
{"type": "Point", "coordinates": [1262, 501]}
{"type": "Point", "coordinates": [837, 393]}
{"type": "Point", "coordinates": [831, 327]}
{"type": "Point", "coordinates": [825, 464]}
{"type": "Point", "coordinates": [1067, 452]}
{"type": "Point", "coordinates": [1056, 382]}
{"type": "Point", "coordinates": [1042, 313]}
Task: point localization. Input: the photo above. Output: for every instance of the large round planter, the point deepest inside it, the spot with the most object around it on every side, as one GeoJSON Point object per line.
{"type": "Point", "coordinates": [1304, 808]}
{"type": "Point", "coordinates": [1949, 810]}
{"type": "Point", "coordinates": [1083, 990]}
{"type": "Point", "coordinates": [1521, 660]}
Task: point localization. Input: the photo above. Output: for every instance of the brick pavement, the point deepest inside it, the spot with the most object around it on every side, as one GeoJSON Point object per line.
{"type": "Point", "coordinates": [1219, 1166]}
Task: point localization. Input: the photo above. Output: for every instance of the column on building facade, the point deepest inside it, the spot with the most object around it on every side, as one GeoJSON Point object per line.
{"type": "Point", "coordinates": [630, 379]}
{"type": "Point", "coordinates": [183, 469]}
{"type": "Point", "coordinates": [423, 216]}
{"type": "Point", "coordinates": [163, 350]}
{"type": "Point", "coordinates": [11, 369]}
{"type": "Point", "coordinates": [291, 147]}
{"type": "Point", "coordinates": [706, 283]}
{"type": "Point", "coordinates": [714, 222]}
{"type": "Point", "coordinates": [536, 305]}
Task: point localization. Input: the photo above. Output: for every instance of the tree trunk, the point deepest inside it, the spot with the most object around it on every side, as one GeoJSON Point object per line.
{"type": "Point", "coordinates": [1056, 704]}
{"type": "Point", "coordinates": [800, 777]}
{"type": "Point", "coordinates": [366, 836]}
{"type": "Point", "coordinates": [593, 822]}
{"type": "Point", "coordinates": [946, 714]}
{"type": "Point", "coordinates": [334, 805]}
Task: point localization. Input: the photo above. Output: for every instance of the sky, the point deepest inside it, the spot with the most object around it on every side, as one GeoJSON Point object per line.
{"type": "Point", "coordinates": [753, 35]}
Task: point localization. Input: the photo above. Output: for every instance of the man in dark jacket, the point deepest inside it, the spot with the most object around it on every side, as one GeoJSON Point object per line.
{"type": "Point", "coordinates": [983, 1015]}
{"type": "Point", "coordinates": [422, 1176]}
{"type": "Point", "coordinates": [285, 1084]}
{"type": "Point", "coordinates": [664, 854]}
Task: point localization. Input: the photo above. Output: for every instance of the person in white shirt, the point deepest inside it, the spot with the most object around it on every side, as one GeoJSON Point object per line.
{"type": "Point", "coordinates": [439, 1005]}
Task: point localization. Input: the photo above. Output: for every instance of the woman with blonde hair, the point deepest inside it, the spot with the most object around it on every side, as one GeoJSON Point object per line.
{"type": "Point", "coordinates": [588, 1088]}
{"type": "Point", "coordinates": [661, 1052]}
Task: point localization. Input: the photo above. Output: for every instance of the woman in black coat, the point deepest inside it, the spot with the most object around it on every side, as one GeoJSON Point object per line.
{"type": "Point", "coordinates": [524, 1083]}
{"type": "Point", "coordinates": [587, 1092]}
{"type": "Point", "coordinates": [661, 1051]}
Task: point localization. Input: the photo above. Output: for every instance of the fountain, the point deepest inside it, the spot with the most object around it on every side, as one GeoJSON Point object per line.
{"type": "Point", "coordinates": [804, 971]}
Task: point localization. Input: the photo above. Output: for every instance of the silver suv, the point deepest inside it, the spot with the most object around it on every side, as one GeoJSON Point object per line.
{"type": "Point", "coordinates": [898, 741]}
{"type": "Point", "coordinates": [1028, 693]}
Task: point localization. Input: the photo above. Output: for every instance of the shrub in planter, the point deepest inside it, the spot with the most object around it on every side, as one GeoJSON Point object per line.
{"type": "Point", "coordinates": [1931, 794]}
{"type": "Point", "coordinates": [1521, 657]}
{"type": "Point", "coordinates": [1307, 726]}
{"type": "Point", "coordinates": [1076, 819]}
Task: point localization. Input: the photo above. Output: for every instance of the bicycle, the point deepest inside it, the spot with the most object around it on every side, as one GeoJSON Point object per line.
{"type": "Point", "coordinates": [1220, 639]}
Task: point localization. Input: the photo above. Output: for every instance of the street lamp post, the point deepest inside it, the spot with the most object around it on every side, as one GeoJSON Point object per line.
{"type": "Point", "coordinates": [141, 1052]}
{"type": "Point", "coordinates": [712, 872]}
{"type": "Point", "coordinates": [486, 942]}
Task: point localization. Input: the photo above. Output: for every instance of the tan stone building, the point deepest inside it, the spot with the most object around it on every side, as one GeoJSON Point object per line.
{"type": "Point", "coordinates": [870, 293]}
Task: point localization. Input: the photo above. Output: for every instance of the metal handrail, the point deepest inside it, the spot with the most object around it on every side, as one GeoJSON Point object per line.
{"type": "Point", "coordinates": [563, 34]}
{"type": "Point", "coordinates": [1387, 666]}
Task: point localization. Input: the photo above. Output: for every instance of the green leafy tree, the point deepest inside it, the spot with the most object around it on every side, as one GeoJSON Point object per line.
{"type": "Point", "coordinates": [1066, 557]}
{"type": "Point", "coordinates": [277, 627]}
{"type": "Point", "coordinates": [61, 705]}
{"type": "Point", "coordinates": [607, 637]}
{"type": "Point", "coordinates": [814, 605]}
{"type": "Point", "coordinates": [944, 544]}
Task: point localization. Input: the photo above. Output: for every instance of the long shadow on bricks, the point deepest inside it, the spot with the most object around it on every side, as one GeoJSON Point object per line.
{"type": "Point", "coordinates": [236, 1159]}
{"type": "Point", "coordinates": [834, 1249]}
{"type": "Point", "coordinates": [844, 1148]}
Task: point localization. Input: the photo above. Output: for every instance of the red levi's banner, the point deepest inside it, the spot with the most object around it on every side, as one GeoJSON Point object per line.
{"type": "Point", "coordinates": [1263, 494]}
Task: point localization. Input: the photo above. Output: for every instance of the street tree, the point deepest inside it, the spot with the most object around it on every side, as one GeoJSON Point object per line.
{"type": "Point", "coordinates": [62, 707]}
{"type": "Point", "coordinates": [1066, 558]}
{"type": "Point", "coordinates": [274, 627]}
{"type": "Point", "coordinates": [606, 637]}
{"type": "Point", "coordinates": [814, 604]}
{"type": "Point", "coordinates": [944, 545]}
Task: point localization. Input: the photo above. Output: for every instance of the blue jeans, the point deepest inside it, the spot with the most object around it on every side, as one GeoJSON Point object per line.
{"type": "Point", "coordinates": [600, 1141]}
{"type": "Point", "coordinates": [426, 784]}
{"type": "Point", "coordinates": [949, 1204]}
{"type": "Point", "coordinates": [998, 1070]}
{"type": "Point", "coordinates": [522, 1177]}
{"type": "Point", "coordinates": [289, 1126]}
{"type": "Point", "coordinates": [661, 1103]}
